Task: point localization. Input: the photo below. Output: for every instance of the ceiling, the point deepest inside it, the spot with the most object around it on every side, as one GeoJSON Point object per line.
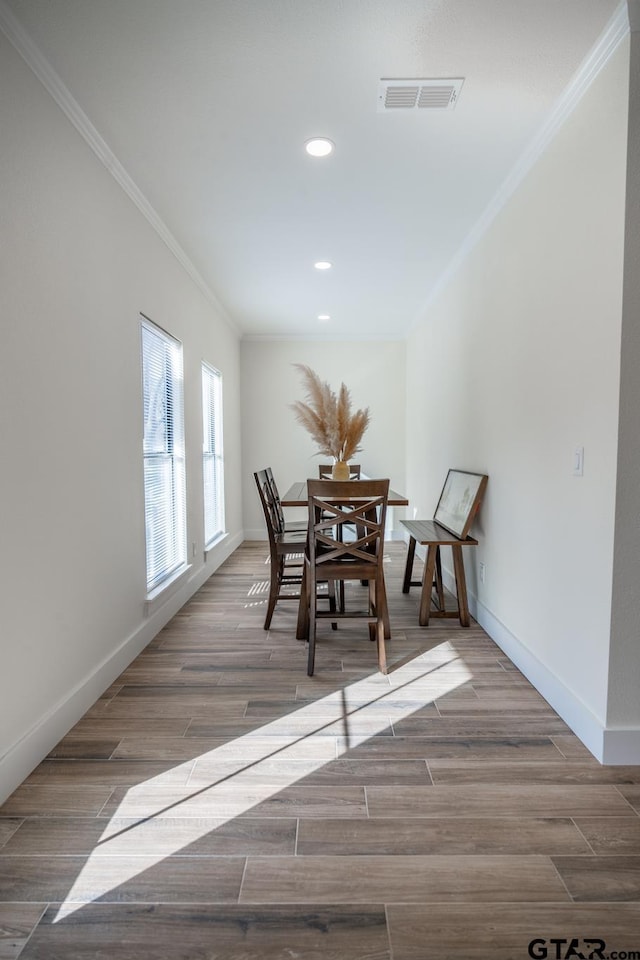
{"type": "Point", "coordinates": [207, 105]}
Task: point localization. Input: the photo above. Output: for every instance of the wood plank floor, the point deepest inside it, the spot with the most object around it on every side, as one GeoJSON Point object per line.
{"type": "Point", "coordinates": [218, 804]}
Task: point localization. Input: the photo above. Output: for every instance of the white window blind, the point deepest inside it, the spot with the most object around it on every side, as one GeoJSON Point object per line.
{"type": "Point", "coordinates": [164, 455]}
{"type": "Point", "coordinates": [212, 458]}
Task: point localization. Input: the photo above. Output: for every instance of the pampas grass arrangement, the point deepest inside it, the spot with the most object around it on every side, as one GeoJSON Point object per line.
{"type": "Point", "coordinates": [328, 418]}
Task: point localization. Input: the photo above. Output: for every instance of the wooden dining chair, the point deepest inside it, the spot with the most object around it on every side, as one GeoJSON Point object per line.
{"type": "Point", "coordinates": [332, 503]}
{"type": "Point", "coordinates": [286, 550]}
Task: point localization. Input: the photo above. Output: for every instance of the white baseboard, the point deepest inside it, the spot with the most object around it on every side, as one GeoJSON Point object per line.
{"type": "Point", "coordinates": [394, 534]}
{"type": "Point", "coordinates": [25, 755]}
{"type": "Point", "coordinates": [574, 713]}
{"type": "Point", "coordinates": [609, 746]}
{"type": "Point", "coordinates": [259, 533]}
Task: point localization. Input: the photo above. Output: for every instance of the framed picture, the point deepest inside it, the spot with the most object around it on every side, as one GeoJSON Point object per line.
{"type": "Point", "coordinates": [459, 501]}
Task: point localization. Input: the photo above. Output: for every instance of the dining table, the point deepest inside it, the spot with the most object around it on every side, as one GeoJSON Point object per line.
{"type": "Point", "coordinates": [297, 496]}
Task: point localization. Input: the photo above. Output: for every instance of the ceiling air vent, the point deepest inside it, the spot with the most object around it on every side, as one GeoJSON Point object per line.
{"type": "Point", "coordinates": [418, 94]}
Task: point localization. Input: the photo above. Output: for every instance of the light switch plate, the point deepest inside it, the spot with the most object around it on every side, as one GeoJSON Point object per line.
{"type": "Point", "coordinates": [578, 461]}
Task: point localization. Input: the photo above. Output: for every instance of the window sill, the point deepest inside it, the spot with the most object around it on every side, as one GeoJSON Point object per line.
{"type": "Point", "coordinates": [210, 547]}
{"type": "Point", "coordinates": [160, 594]}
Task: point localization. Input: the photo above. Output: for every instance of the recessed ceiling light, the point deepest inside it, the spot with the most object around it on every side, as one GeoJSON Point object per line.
{"type": "Point", "coordinates": [324, 316]}
{"type": "Point", "coordinates": [319, 147]}
{"type": "Point", "coordinates": [322, 265]}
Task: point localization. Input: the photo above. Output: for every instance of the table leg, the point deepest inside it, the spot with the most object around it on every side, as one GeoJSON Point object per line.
{"type": "Point", "coordinates": [438, 581]}
{"type": "Point", "coordinates": [408, 570]}
{"type": "Point", "coordinates": [427, 585]}
{"type": "Point", "coordinates": [461, 585]}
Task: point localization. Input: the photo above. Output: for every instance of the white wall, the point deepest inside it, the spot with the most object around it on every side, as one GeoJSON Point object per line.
{"type": "Point", "coordinates": [515, 365]}
{"type": "Point", "coordinates": [373, 371]}
{"type": "Point", "coordinates": [623, 714]}
{"type": "Point", "coordinates": [78, 265]}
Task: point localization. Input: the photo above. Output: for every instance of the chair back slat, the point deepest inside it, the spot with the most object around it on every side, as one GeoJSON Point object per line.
{"type": "Point", "coordinates": [270, 502]}
{"type": "Point", "coordinates": [361, 513]}
{"type": "Point", "coordinates": [362, 503]}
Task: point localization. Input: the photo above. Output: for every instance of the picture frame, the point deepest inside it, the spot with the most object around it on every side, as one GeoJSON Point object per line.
{"type": "Point", "coordinates": [460, 500]}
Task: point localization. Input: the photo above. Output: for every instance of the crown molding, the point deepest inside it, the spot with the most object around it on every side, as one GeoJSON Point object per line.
{"type": "Point", "coordinates": [35, 59]}
{"type": "Point", "coordinates": [628, 13]}
{"type": "Point", "coordinates": [616, 30]}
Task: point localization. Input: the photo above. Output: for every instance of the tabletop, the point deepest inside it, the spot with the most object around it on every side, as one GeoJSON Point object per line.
{"type": "Point", "coordinates": [296, 496]}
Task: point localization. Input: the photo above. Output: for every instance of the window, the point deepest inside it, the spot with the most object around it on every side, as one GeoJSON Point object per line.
{"type": "Point", "coordinates": [212, 461]}
{"type": "Point", "coordinates": [164, 458]}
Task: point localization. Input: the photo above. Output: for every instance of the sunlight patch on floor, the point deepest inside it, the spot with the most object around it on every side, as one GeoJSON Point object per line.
{"type": "Point", "coordinates": [261, 587]}
{"type": "Point", "coordinates": [236, 777]}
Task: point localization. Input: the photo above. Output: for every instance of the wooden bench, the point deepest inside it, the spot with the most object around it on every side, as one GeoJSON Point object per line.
{"type": "Point", "coordinates": [457, 507]}
{"type": "Point", "coordinates": [430, 534]}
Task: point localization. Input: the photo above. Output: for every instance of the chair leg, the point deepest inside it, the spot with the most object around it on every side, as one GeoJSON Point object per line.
{"type": "Point", "coordinates": [340, 539]}
{"type": "Point", "coordinates": [331, 591]}
{"type": "Point", "coordinates": [378, 630]}
{"type": "Point", "coordinates": [313, 609]}
{"type": "Point", "coordinates": [378, 605]}
{"type": "Point", "coordinates": [274, 590]}
{"type": "Point", "coordinates": [383, 609]}
{"type": "Point", "coordinates": [382, 653]}
{"type": "Point", "coordinates": [311, 653]}
{"type": "Point", "coordinates": [373, 609]}
{"type": "Point", "coordinates": [302, 628]}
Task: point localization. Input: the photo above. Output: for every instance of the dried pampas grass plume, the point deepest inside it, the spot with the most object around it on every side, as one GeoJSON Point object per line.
{"type": "Point", "coordinates": [327, 417]}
